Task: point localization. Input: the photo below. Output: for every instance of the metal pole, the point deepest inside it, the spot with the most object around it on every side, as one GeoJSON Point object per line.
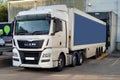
{"type": "Point", "coordinates": [35, 4]}
{"type": "Point", "coordinates": [8, 11]}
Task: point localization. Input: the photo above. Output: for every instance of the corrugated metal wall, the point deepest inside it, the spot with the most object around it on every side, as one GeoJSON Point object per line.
{"type": "Point", "coordinates": [15, 6]}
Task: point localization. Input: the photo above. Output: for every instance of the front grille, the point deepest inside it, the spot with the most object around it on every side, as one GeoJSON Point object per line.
{"type": "Point", "coordinates": [30, 44]}
{"type": "Point", "coordinates": [31, 54]}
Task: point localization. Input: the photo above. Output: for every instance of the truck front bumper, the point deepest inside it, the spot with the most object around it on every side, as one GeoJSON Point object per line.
{"type": "Point", "coordinates": [45, 59]}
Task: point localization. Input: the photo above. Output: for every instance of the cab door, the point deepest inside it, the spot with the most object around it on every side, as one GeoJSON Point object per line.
{"type": "Point", "coordinates": [59, 34]}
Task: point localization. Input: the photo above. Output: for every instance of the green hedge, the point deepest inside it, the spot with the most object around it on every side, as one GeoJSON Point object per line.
{"type": "Point", "coordinates": [3, 13]}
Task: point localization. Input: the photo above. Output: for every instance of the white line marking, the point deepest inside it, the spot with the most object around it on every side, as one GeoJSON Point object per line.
{"type": "Point", "coordinates": [115, 62]}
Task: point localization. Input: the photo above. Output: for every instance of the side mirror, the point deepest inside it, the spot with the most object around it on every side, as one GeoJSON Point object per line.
{"type": "Point", "coordinates": [12, 24]}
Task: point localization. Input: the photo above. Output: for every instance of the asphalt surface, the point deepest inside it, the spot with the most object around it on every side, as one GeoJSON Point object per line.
{"type": "Point", "coordinates": [5, 59]}
{"type": "Point", "coordinates": [101, 69]}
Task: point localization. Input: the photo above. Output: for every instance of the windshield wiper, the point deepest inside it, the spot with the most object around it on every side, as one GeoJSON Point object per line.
{"type": "Point", "coordinates": [39, 32]}
{"type": "Point", "coordinates": [22, 33]}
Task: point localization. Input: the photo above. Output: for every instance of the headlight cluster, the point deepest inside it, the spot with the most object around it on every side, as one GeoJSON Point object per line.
{"type": "Point", "coordinates": [15, 54]}
{"type": "Point", "coordinates": [46, 55]}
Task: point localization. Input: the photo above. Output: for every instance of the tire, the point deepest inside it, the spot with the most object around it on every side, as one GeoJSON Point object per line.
{"type": "Point", "coordinates": [1, 53]}
{"type": "Point", "coordinates": [74, 60]}
{"type": "Point", "coordinates": [61, 63]}
{"type": "Point", "coordinates": [100, 51]}
{"type": "Point", "coordinates": [97, 53]}
{"type": "Point", "coordinates": [80, 59]}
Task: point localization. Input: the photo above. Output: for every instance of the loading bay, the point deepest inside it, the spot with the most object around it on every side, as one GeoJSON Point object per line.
{"type": "Point", "coordinates": [107, 68]}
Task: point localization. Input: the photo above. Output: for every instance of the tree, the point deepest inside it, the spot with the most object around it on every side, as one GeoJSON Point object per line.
{"type": "Point", "coordinates": [3, 13]}
{"type": "Point", "coordinates": [0, 2]}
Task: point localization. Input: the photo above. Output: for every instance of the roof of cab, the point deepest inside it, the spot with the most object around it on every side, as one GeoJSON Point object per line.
{"type": "Point", "coordinates": [44, 9]}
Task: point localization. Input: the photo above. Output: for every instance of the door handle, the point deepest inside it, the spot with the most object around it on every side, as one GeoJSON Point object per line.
{"type": "Point", "coordinates": [60, 43]}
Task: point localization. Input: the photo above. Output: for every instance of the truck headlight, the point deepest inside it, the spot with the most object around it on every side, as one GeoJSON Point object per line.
{"type": "Point", "coordinates": [15, 54]}
{"type": "Point", "coordinates": [46, 55]}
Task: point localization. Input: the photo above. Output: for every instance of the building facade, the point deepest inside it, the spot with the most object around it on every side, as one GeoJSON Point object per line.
{"type": "Point", "coordinates": [106, 6]}
{"type": "Point", "coordinates": [15, 6]}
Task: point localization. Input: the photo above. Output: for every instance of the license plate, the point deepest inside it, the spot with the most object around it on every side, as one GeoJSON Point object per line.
{"type": "Point", "coordinates": [29, 58]}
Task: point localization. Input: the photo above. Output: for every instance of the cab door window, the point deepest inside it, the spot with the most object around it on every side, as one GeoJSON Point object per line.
{"type": "Point", "coordinates": [57, 25]}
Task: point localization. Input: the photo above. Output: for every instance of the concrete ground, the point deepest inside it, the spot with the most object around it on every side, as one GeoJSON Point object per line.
{"type": "Point", "coordinates": [101, 69]}
{"type": "Point", "coordinates": [6, 59]}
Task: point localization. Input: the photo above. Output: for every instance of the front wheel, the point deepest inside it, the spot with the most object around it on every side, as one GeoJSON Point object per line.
{"type": "Point", "coordinates": [61, 63]}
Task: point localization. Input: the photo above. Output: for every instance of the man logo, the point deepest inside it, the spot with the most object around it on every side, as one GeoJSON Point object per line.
{"type": "Point", "coordinates": [30, 44]}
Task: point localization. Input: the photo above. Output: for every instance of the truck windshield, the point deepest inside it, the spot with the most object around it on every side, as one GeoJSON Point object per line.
{"type": "Point", "coordinates": [32, 27]}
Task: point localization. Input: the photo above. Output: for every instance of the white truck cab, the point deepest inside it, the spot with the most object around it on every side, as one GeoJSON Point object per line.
{"type": "Point", "coordinates": [40, 37]}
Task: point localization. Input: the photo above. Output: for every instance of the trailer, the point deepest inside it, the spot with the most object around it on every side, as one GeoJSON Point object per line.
{"type": "Point", "coordinates": [110, 18]}
{"type": "Point", "coordinates": [56, 36]}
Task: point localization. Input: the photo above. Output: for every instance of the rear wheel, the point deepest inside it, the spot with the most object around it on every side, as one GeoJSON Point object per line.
{"type": "Point", "coordinates": [97, 53]}
{"type": "Point", "coordinates": [80, 59]}
{"type": "Point", "coordinates": [100, 51]}
{"type": "Point", "coordinates": [74, 60]}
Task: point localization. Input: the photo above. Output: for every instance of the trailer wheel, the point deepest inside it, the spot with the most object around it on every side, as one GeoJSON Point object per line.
{"type": "Point", "coordinates": [100, 51]}
{"type": "Point", "coordinates": [61, 63]}
{"type": "Point", "coordinates": [74, 60]}
{"type": "Point", "coordinates": [97, 53]}
{"type": "Point", "coordinates": [80, 59]}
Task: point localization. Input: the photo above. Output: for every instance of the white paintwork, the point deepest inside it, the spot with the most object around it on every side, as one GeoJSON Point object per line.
{"type": "Point", "coordinates": [35, 37]}
{"type": "Point", "coordinates": [16, 63]}
{"type": "Point", "coordinates": [55, 10]}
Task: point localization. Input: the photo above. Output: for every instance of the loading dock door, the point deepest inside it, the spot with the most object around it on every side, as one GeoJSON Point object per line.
{"type": "Point", "coordinates": [111, 34]}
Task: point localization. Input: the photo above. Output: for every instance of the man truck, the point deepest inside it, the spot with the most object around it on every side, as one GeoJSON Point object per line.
{"type": "Point", "coordinates": [56, 36]}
